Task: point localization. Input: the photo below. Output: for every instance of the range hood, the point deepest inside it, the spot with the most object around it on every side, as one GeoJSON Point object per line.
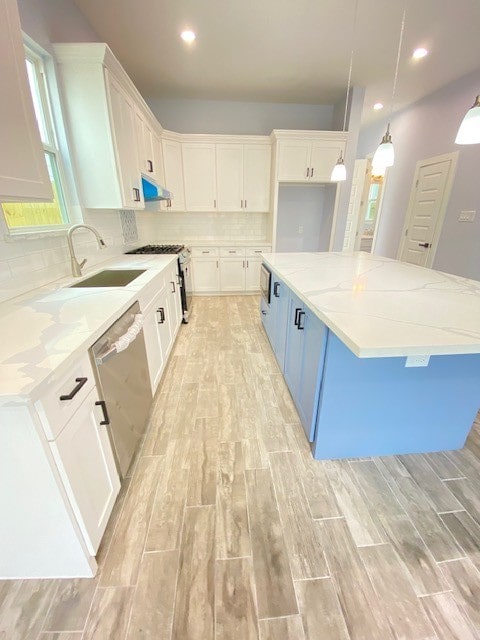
{"type": "Point", "coordinates": [152, 192]}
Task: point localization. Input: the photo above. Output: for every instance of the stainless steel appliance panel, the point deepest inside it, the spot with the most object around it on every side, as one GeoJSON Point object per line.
{"type": "Point", "coordinates": [124, 387]}
{"type": "Point", "coordinates": [265, 283]}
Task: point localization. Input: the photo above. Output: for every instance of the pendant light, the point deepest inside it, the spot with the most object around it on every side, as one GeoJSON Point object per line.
{"type": "Point", "coordinates": [469, 130]}
{"type": "Point", "coordinates": [384, 156]}
{"type": "Point", "coordinates": [339, 173]}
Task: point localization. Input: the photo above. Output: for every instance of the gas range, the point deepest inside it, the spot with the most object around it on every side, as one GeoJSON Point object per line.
{"type": "Point", "coordinates": [159, 248]}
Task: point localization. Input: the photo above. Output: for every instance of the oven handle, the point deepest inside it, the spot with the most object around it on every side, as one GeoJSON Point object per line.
{"type": "Point", "coordinates": [123, 342]}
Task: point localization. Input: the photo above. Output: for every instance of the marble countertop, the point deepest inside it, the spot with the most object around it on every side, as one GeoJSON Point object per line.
{"type": "Point", "coordinates": [380, 307]}
{"type": "Point", "coordinates": [45, 331]}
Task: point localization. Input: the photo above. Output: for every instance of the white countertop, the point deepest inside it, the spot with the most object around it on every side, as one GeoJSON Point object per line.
{"type": "Point", "coordinates": [226, 243]}
{"type": "Point", "coordinates": [45, 331]}
{"type": "Point", "coordinates": [380, 307]}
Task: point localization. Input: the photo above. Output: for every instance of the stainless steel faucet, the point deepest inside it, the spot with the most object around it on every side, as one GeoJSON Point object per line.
{"type": "Point", "coordinates": [77, 266]}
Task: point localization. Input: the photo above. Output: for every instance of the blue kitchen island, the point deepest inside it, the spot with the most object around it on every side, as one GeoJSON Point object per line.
{"type": "Point", "coordinates": [381, 357]}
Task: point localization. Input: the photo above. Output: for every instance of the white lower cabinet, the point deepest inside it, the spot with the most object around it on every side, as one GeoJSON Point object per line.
{"type": "Point", "coordinates": [227, 269]}
{"type": "Point", "coordinates": [158, 337]}
{"type": "Point", "coordinates": [85, 460]}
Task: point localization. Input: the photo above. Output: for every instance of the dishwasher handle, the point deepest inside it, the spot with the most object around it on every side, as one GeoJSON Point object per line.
{"type": "Point", "coordinates": [123, 342]}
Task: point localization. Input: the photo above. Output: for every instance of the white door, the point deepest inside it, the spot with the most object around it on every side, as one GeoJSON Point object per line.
{"type": "Point", "coordinates": [232, 274]}
{"type": "Point", "coordinates": [229, 177]}
{"type": "Point", "coordinates": [428, 201]}
{"type": "Point", "coordinates": [23, 169]}
{"type": "Point", "coordinates": [256, 177]}
{"type": "Point", "coordinates": [172, 164]}
{"type": "Point", "coordinates": [354, 204]}
{"type": "Point", "coordinates": [293, 161]}
{"type": "Point", "coordinates": [199, 177]}
{"type": "Point", "coordinates": [205, 275]}
{"type": "Point", "coordinates": [84, 456]}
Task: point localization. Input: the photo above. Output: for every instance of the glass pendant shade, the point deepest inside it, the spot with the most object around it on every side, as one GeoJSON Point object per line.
{"type": "Point", "coordinates": [384, 155]}
{"type": "Point", "coordinates": [339, 173]}
{"type": "Point", "coordinates": [469, 131]}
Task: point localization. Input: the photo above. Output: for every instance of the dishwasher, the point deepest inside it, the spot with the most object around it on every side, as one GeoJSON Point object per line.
{"type": "Point", "coordinates": [119, 360]}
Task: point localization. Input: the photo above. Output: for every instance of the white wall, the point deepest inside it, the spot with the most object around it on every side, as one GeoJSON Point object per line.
{"type": "Point", "coordinates": [426, 129]}
{"type": "Point", "coordinates": [242, 118]}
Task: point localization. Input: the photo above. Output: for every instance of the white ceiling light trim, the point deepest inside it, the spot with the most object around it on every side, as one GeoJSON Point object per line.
{"type": "Point", "coordinates": [469, 130]}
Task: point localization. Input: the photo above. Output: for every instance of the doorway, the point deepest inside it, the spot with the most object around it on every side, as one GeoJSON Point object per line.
{"type": "Point", "coordinates": [428, 202]}
{"type": "Point", "coordinates": [364, 208]}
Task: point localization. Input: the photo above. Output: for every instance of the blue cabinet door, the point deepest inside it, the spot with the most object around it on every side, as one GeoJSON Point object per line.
{"type": "Point", "coordinates": [293, 347]}
{"type": "Point", "coordinates": [279, 304]}
{"type": "Point", "coordinates": [313, 354]}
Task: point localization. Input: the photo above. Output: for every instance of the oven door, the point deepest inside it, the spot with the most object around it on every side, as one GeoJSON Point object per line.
{"type": "Point", "coordinates": [265, 282]}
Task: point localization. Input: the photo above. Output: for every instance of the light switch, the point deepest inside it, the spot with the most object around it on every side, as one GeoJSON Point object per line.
{"type": "Point", "coordinates": [467, 216]}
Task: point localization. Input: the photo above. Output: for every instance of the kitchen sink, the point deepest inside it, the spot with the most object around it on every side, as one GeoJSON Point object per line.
{"type": "Point", "coordinates": [110, 278]}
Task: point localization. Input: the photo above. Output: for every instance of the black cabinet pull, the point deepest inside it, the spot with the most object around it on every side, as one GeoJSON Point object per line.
{"type": "Point", "coordinates": [75, 390]}
{"type": "Point", "coordinates": [106, 419]}
{"type": "Point", "coordinates": [311, 172]}
{"type": "Point", "coordinates": [424, 244]}
{"type": "Point", "coordinates": [275, 289]}
{"type": "Point", "coordinates": [297, 311]}
{"type": "Point", "coordinates": [161, 311]}
{"type": "Point", "coordinates": [173, 286]}
{"type": "Point", "coordinates": [136, 195]}
{"type": "Point", "coordinates": [150, 166]}
{"type": "Point", "coordinates": [300, 315]}
{"type": "Point", "coordinates": [264, 312]}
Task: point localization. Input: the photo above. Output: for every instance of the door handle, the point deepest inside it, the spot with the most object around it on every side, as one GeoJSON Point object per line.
{"type": "Point", "coordinates": [275, 289]}
{"type": "Point", "coordinates": [297, 311]}
{"type": "Point", "coordinates": [300, 328]}
{"type": "Point", "coordinates": [106, 419]}
{"type": "Point", "coordinates": [75, 390]}
{"type": "Point", "coordinates": [424, 244]}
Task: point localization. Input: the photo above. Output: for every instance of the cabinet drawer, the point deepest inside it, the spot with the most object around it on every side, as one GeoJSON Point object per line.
{"type": "Point", "coordinates": [231, 252]}
{"type": "Point", "coordinates": [257, 251]}
{"type": "Point", "coordinates": [73, 386]}
{"type": "Point", "coordinates": [204, 252]}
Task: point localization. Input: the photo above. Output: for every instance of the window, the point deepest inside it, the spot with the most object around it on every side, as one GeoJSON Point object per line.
{"type": "Point", "coordinates": [33, 216]}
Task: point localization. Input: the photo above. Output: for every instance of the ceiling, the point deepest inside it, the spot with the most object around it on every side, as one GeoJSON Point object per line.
{"type": "Point", "coordinates": [295, 51]}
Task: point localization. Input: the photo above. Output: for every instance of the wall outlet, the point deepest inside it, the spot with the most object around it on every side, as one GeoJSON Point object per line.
{"type": "Point", "coordinates": [417, 361]}
{"type": "Point", "coordinates": [300, 229]}
{"type": "Point", "coordinates": [467, 216]}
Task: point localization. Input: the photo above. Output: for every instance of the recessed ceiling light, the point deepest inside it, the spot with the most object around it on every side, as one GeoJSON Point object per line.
{"type": "Point", "coordinates": [419, 53]}
{"type": "Point", "coordinates": [188, 36]}
{"type": "Point", "coordinates": [377, 106]}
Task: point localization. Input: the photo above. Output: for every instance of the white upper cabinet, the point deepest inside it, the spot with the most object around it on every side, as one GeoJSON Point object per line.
{"type": "Point", "coordinates": [23, 169]}
{"type": "Point", "coordinates": [256, 177]}
{"type": "Point", "coordinates": [110, 148]}
{"type": "Point", "coordinates": [199, 176]}
{"type": "Point", "coordinates": [146, 146]}
{"type": "Point", "coordinates": [173, 167]}
{"type": "Point", "coordinates": [308, 158]}
{"type": "Point", "coordinates": [243, 177]}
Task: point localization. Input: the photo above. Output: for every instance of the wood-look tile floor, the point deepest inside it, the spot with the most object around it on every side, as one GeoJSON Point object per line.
{"type": "Point", "coordinates": [228, 529]}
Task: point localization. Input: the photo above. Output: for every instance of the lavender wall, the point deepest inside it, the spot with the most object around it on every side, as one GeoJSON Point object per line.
{"type": "Point", "coordinates": [239, 118]}
{"type": "Point", "coordinates": [428, 128]}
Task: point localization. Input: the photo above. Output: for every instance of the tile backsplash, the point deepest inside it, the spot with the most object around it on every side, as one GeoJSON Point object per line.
{"type": "Point", "coordinates": [29, 263]}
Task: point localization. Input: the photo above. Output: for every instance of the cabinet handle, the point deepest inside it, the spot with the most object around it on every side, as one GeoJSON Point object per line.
{"type": "Point", "coordinates": [232, 252]}
{"type": "Point", "coordinates": [75, 390]}
{"type": "Point", "coordinates": [245, 204]}
{"type": "Point", "coordinates": [161, 311]}
{"type": "Point", "coordinates": [205, 251]}
{"type": "Point", "coordinates": [300, 328]}
{"type": "Point", "coordinates": [424, 244]}
{"type": "Point", "coordinates": [214, 204]}
{"type": "Point", "coordinates": [243, 264]}
{"type": "Point", "coordinates": [217, 264]}
{"type": "Point", "coordinates": [297, 311]}
{"type": "Point", "coordinates": [275, 289]}
{"type": "Point", "coordinates": [241, 204]}
{"type": "Point", "coordinates": [258, 251]}
{"type": "Point", "coordinates": [247, 264]}
{"type": "Point", "coordinates": [308, 172]}
{"type": "Point", "coordinates": [173, 286]}
{"type": "Point", "coordinates": [311, 172]}
{"type": "Point", "coordinates": [264, 312]}
{"type": "Point", "coordinates": [103, 404]}
{"type": "Point", "coordinates": [150, 166]}
{"type": "Point", "coordinates": [169, 203]}
{"type": "Point", "coordinates": [136, 195]}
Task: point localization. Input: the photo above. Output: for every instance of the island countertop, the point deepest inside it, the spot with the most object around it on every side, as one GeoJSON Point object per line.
{"type": "Point", "coordinates": [385, 308]}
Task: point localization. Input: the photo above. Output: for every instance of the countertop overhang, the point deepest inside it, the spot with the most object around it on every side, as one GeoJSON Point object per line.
{"type": "Point", "coordinates": [385, 308]}
{"type": "Point", "coordinates": [43, 332]}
